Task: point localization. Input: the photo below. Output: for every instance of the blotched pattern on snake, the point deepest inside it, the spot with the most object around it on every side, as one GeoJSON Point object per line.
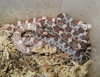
{"type": "Point", "coordinates": [63, 32]}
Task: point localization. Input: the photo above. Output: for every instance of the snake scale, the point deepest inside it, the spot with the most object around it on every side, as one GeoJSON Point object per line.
{"type": "Point", "coordinates": [63, 32]}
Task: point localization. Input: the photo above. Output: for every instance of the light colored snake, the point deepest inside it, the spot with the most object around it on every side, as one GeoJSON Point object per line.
{"type": "Point", "coordinates": [63, 32]}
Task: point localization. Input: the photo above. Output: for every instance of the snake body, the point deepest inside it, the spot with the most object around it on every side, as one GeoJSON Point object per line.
{"type": "Point", "coordinates": [63, 32]}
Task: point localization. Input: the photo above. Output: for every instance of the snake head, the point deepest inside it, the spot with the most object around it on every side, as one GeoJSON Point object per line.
{"type": "Point", "coordinates": [84, 26]}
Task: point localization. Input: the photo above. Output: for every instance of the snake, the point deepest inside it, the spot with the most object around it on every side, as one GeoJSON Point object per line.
{"type": "Point", "coordinates": [63, 32]}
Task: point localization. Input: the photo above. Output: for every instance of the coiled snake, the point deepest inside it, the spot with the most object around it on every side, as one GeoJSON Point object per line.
{"type": "Point", "coordinates": [63, 32]}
